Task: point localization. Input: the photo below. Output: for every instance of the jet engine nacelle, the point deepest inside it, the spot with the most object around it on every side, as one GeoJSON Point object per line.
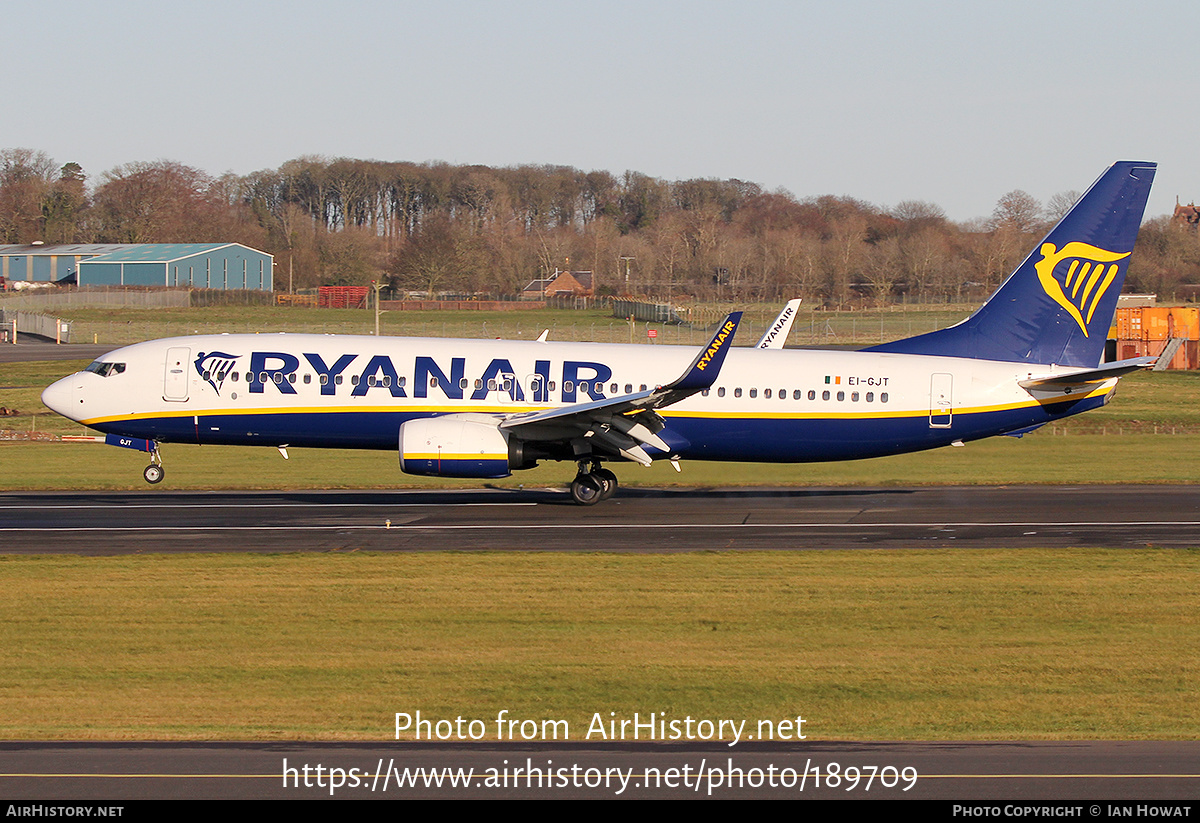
{"type": "Point", "coordinates": [456, 445]}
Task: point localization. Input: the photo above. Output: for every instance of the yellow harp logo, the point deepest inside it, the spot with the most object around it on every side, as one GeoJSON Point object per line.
{"type": "Point", "coordinates": [1084, 281]}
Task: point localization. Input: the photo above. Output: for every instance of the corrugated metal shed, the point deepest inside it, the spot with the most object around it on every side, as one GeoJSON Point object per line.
{"type": "Point", "coordinates": [41, 263]}
{"type": "Point", "coordinates": [199, 265]}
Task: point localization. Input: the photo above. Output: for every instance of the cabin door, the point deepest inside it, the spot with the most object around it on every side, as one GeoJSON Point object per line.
{"type": "Point", "coordinates": [175, 377]}
{"type": "Point", "coordinates": [941, 409]}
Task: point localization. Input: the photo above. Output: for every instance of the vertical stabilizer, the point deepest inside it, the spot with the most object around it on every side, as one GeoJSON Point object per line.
{"type": "Point", "coordinates": [1058, 305]}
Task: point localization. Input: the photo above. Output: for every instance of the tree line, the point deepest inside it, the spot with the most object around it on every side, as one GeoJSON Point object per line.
{"type": "Point", "coordinates": [439, 228]}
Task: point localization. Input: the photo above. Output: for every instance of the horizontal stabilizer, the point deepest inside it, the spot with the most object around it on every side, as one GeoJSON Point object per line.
{"type": "Point", "coordinates": [1071, 380]}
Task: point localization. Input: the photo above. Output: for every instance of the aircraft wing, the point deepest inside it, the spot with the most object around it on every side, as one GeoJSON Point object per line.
{"type": "Point", "coordinates": [627, 423]}
{"type": "Point", "coordinates": [1070, 381]}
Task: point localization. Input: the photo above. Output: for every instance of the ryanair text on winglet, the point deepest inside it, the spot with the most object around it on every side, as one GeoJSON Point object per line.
{"type": "Point", "coordinates": [718, 342]}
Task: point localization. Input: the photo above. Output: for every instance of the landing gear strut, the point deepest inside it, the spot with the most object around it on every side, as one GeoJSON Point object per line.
{"type": "Point", "coordinates": [590, 487]}
{"type": "Point", "coordinates": [154, 472]}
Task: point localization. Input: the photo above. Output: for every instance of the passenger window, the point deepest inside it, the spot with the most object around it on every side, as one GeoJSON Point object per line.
{"type": "Point", "coordinates": [337, 380]}
{"type": "Point", "coordinates": [754, 392]}
{"type": "Point", "coordinates": [387, 381]}
{"type": "Point", "coordinates": [766, 394]}
{"type": "Point", "coordinates": [307, 379]}
{"type": "Point", "coordinates": [812, 395]}
{"type": "Point", "coordinates": [354, 378]}
{"type": "Point", "coordinates": [825, 395]}
{"type": "Point", "coordinates": [292, 377]}
{"type": "Point", "coordinates": [462, 383]}
{"type": "Point", "coordinates": [841, 396]}
{"type": "Point", "coordinates": [720, 391]}
{"type": "Point", "coordinates": [870, 397]}
{"type": "Point", "coordinates": [704, 393]}
{"type": "Point", "coordinates": [629, 388]}
{"type": "Point", "coordinates": [478, 383]}
{"type": "Point", "coordinates": [491, 385]}
{"type": "Point", "coordinates": [324, 380]}
{"type": "Point", "coordinates": [432, 382]}
{"type": "Point", "coordinates": [883, 397]}
{"type": "Point", "coordinates": [568, 386]}
{"type": "Point", "coordinates": [613, 388]}
{"type": "Point", "coordinates": [235, 376]}
{"type": "Point", "coordinates": [737, 392]}
{"type": "Point", "coordinates": [854, 397]}
{"type": "Point", "coordinates": [371, 380]}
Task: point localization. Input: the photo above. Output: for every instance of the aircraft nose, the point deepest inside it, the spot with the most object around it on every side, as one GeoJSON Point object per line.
{"type": "Point", "coordinates": [58, 396]}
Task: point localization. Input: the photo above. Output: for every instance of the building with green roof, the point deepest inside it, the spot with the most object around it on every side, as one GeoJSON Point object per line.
{"type": "Point", "coordinates": [163, 265]}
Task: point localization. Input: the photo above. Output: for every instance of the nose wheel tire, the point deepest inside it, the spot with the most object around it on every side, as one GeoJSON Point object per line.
{"type": "Point", "coordinates": [153, 473]}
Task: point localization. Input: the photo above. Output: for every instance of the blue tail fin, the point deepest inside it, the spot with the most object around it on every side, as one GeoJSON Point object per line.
{"type": "Point", "coordinates": [1058, 305]}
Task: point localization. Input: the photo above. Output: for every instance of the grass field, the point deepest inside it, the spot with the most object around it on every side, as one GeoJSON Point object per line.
{"type": "Point", "coordinates": [812, 327]}
{"type": "Point", "coordinates": [865, 645]}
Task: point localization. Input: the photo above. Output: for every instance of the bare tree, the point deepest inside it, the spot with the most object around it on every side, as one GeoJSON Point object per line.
{"type": "Point", "coordinates": [1016, 211]}
{"type": "Point", "coordinates": [1061, 203]}
{"type": "Point", "coordinates": [25, 178]}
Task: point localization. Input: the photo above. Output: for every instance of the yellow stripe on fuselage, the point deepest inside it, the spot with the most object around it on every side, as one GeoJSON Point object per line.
{"type": "Point", "coordinates": [876, 413]}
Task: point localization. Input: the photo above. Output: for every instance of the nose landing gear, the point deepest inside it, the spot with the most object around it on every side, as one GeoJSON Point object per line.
{"type": "Point", "coordinates": [154, 472]}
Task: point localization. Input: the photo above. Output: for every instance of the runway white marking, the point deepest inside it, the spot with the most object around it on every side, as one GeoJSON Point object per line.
{"type": "Point", "coordinates": [594, 526]}
{"type": "Point", "coordinates": [109, 507]}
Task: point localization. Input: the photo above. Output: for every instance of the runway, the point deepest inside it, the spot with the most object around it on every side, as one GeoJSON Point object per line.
{"type": "Point", "coordinates": [1002, 772]}
{"type": "Point", "coordinates": [636, 520]}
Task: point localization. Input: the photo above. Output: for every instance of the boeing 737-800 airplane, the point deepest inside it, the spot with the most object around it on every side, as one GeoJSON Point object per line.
{"type": "Point", "coordinates": [485, 408]}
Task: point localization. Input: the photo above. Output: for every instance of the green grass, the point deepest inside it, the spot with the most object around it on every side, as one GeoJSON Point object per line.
{"type": "Point", "coordinates": [865, 645]}
{"type": "Point", "coordinates": [812, 327]}
{"type": "Point", "coordinates": [1064, 458]}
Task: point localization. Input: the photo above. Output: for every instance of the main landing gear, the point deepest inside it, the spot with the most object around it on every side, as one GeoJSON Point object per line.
{"type": "Point", "coordinates": [590, 487]}
{"type": "Point", "coordinates": [154, 472]}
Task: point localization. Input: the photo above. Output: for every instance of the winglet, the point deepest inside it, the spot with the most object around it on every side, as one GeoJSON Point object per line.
{"type": "Point", "coordinates": [776, 334]}
{"type": "Point", "coordinates": [707, 365]}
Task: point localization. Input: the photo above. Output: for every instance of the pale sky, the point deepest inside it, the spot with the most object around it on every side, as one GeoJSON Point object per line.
{"type": "Point", "coordinates": [953, 103]}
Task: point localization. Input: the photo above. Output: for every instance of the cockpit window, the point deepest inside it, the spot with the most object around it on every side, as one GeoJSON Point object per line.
{"type": "Point", "coordinates": [105, 369]}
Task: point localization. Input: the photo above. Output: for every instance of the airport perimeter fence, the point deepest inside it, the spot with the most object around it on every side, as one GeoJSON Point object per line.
{"type": "Point", "coordinates": [97, 298]}
{"type": "Point", "coordinates": [51, 328]}
{"type": "Point", "coordinates": [125, 297]}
